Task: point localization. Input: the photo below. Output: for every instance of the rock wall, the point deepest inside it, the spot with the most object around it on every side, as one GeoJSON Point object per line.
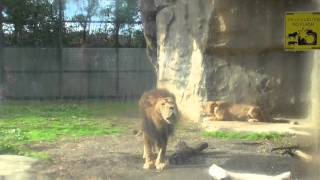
{"type": "Point", "coordinates": [183, 31]}
{"type": "Point", "coordinates": [314, 115]}
{"type": "Point", "coordinates": [231, 50]}
{"type": "Point", "coordinates": [246, 60]}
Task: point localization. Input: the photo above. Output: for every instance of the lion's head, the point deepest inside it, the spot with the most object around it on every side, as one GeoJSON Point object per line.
{"type": "Point", "coordinates": [219, 109]}
{"type": "Point", "coordinates": [166, 107]}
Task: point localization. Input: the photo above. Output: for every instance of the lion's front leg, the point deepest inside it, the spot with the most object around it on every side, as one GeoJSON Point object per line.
{"type": "Point", "coordinates": [148, 153]}
{"type": "Point", "coordinates": [161, 162]}
{"type": "Point", "coordinates": [153, 150]}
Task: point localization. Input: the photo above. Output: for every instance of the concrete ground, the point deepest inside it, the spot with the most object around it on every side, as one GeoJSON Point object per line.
{"type": "Point", "coordinates": [293, 126]}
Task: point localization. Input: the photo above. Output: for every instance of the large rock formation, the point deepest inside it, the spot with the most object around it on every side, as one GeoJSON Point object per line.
{"type": "Point", "coordinates": [230, 50]}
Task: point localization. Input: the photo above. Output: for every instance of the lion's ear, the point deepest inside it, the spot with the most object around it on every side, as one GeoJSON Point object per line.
{"type": "Point", "coordinates": [213, 103]}
{"type": "Point", "coordinates": [151, 100]}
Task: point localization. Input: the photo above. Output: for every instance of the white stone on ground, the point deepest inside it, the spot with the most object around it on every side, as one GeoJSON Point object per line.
{"type": "Point", "coordinates": [13, 167]}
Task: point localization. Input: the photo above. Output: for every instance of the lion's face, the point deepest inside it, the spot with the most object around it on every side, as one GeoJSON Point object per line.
{"type": "Point", "coordinates": [167, 109]}
{"type": "Point", "coordinates": [219, 109]}
{"type": "Point", "coordinates": [219, 112]}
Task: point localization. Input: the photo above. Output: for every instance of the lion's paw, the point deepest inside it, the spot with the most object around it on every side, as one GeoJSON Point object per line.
{"type": "Point", "coordinates": [149, 165]}
{"type": "Point", "coordinates": [253, 120]}
{"type": "Point", "coordinates": [160, 165]}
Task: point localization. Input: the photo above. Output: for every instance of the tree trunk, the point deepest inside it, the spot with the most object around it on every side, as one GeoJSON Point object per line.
{"type": "Point", "coordinates": [84, 35]}
{"type": "Point", "coordinates": [149, 14]}
{"type": "Point", "coordinates": [1, 46]}
{"type": "Point", "coordinates": [1, 26]}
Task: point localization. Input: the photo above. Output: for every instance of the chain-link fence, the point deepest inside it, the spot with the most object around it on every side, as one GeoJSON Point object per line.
{"type": "Point", "coordinates": [72, 23]}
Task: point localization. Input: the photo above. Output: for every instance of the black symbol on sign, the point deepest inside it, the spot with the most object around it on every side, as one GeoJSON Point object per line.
{"type": "Point", "coordinates": [303, 37]}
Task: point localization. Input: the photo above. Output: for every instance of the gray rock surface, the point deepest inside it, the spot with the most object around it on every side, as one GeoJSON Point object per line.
{"type": "Point", "coordinates": [231, 50]}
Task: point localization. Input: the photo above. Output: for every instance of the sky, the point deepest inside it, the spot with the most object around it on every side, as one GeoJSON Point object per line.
{"type": "Point", "coordinates": [75, 7]}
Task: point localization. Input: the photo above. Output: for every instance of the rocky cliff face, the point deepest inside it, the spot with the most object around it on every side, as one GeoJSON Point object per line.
{"type": "Point", "coordinates": [230, 50]}
{"type": "Point", "coordinates": [183, 29]}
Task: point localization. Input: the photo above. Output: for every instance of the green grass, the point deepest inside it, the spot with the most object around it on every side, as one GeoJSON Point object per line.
{"type": "Point", "coordinates": [25, 123]}
{"type": "Point", "coordinates": [249, 136]}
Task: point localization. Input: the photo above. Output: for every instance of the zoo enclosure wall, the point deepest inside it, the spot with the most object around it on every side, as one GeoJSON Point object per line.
{"type": "Point", "coordinates": [40, 73]}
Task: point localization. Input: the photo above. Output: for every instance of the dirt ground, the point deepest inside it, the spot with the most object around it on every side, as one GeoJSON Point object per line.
{"type": "Point", "coordinates": [120, 157]}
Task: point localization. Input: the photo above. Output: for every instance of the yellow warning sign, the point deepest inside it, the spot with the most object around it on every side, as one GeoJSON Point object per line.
{"type": "Point", "coordinates": [302, 31]}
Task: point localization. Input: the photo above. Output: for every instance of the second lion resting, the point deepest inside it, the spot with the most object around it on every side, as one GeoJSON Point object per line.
{"type": "Point", "coordinates": [222, 111]}
{"type": "Point", "coordinates": [160, 114]}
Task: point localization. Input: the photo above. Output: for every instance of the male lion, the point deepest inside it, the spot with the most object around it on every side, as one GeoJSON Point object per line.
{"type": "Point", "coordinates": [222, 111]}
{"type": "Point", "coordinates": [160, 114]}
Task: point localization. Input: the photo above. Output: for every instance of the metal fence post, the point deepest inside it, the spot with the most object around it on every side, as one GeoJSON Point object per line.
{"type": "Point", "coordinates": [60, 49]}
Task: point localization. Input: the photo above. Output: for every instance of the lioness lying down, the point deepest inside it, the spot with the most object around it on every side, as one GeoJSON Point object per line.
{"type": "Point", "coordinates": [221, 111]}
{"type": "Point", "coordinates": [159, 116]}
